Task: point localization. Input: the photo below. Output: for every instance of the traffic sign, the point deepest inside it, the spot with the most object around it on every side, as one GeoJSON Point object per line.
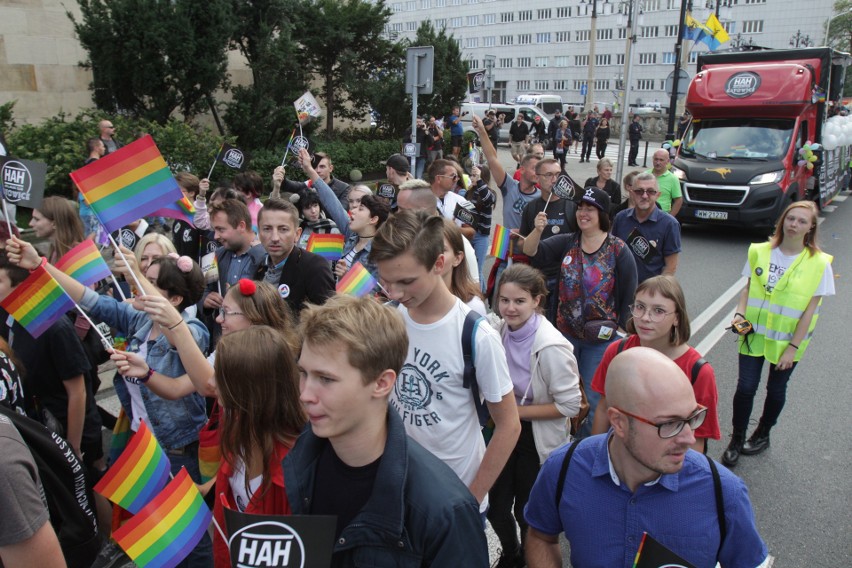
{"type": "Point", "coordinates": [583, 89]}
{"type": "Point", "coordinates": [682, 83]}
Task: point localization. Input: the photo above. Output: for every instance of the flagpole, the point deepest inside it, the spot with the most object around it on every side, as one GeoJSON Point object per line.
{"type": "Point", "coordinates": [216, 159]}
{"type": "Point", "coordinates": [287, 150]}
{"type": "Point", "coordinates": [117, 287]}
{"type": "Point", "coordinates": [546, 204]}
{"type": "Point", "coordinates": [107, 345]}
{"type": "Point", "coordinates": [6, 215]}
{"type": "Point", "coordinates": [124, 258]}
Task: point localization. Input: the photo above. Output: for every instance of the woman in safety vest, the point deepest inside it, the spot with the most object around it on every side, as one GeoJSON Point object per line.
{"type": "Point", "coordinates": [788, 276]}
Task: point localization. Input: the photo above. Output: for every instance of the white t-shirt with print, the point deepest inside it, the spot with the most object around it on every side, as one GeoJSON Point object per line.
{"type": "Point", "coordinates": [778, 265]}
{"type": "Point", "coordinates": [429, 394]}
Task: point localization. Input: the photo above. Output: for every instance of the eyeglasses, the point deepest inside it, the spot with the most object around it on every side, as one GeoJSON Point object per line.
{"type": "Point", "coordinates": [451, 176]}
{"type": "Point", "coordinates": [551, 175]}
{"type": "Point", "coordinates": [649, 192]}
{"type": "Point", "coordinates": [656, 315]}
{"type": "Point", "coordinates": [225, 314]}
{"type": "Point", "coordinates": [672, 428]}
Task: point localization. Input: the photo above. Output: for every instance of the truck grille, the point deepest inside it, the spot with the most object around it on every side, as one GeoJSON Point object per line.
{"type": "Point", "coordinates": [699, 194]}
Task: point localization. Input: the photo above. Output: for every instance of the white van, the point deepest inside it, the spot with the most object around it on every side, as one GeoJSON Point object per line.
{"type": "Point", "coordinates": [479, 109]}
{"type": "Point", "coordinates": [548, 104]}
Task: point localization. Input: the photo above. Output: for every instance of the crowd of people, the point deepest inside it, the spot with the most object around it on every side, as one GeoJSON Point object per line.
{"type": "Point", "coordinates": [444, 398]}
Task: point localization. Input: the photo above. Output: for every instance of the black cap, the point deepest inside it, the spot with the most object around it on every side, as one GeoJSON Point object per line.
{"type": "Point", "coordinates": [597, 197]}
{"type": "Point", "coordinates": [399, 163]}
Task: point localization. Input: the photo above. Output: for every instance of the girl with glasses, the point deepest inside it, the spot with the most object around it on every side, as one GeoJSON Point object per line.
{"type": "Point", "coordinates": [659, 321]}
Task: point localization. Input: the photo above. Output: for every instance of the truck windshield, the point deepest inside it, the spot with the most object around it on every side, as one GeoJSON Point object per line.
{"type": "Point", "coordinates": [550, 107]}
{"type": "Point", "coordinates": [754, 139]}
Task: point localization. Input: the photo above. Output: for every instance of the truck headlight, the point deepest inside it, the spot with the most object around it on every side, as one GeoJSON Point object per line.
{"type": "Point", "coordinates": [678, 173]}
{"type": "Point", "coordinates": [768, 177]}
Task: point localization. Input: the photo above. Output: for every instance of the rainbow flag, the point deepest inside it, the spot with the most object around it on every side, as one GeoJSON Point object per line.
{"type": "Point", "coordinates": [330, 247]}
{"type": "Point", "coordinates": [84, 263]}
{"type": "Point", "coordinates": [138, 474]}
{"type": "Point", "coordinates": [127, 184]}
{"type": "Point", "coordinates": [37, 302]}
{"type": "Point", "coordinates": [182, 209]}
{"type": "Point", "coordinates": [500, 243]}
{"type": "Point", "coordinates": [166, 530]}
{"type": "Point", "coordinates": [357, 282]}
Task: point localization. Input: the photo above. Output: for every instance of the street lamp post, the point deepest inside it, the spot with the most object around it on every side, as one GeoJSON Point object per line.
{"type": "Point", "coordinates": [593, 36]}
{"type": "Point", "coordinates": [800, 40]}
{"type": "Point", "coordinates": [670, 130]}
{"type": "Point", "coordinates": [633, 12]}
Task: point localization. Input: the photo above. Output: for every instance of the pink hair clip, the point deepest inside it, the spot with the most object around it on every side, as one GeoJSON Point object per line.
{"type": "Point", "coordinates": [184, 263]}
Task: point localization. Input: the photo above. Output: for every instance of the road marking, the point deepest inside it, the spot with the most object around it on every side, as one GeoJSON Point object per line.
{"type": "Point", "coordinates": [829, 208]}
{"type": "Point", "coordinates": [714, 336]}
{"type": "Point", "coordinates": [717, 305]}
{"type": "Point", "coordinates": [840, 198]}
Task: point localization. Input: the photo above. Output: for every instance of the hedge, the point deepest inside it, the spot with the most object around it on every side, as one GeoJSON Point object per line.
{"type": "Point", "coordinates": [60, 142]}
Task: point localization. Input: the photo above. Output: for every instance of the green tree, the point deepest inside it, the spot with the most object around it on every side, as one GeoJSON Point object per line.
{"type": "Point", "coordinates": [450, 76]}
{"type": "Point", "coordinates": [262, 114]}
{"type": "Point", "coordinates": [342, 44]}
{"type": "Point", "coordinates": [150, 58]}
{"type": "Point", "coordinates": [840, 35]}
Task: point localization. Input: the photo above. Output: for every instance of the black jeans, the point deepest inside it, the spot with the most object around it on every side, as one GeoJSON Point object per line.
{"type": "Point", "coordinates": [514, 485]}
{"type": "Point", "coordinates": [749, 380]}
{"type": "Point", "coordinates": [634, 152]}
{"type": "Point", "coordinates": [601, 149]}
{"type": "Point", "coordinates": [586, 152]}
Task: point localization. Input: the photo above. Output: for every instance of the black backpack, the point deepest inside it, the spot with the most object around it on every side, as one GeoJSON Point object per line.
{"type": "Point", "coordinates": [69, 497]}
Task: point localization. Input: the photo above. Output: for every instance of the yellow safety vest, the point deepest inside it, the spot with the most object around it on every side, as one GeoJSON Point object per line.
{"type": "Point", "coordinates": [775, 315]}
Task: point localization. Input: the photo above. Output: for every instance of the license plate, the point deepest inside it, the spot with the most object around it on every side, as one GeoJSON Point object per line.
{"type": "Point", "coordinates": [719, 215]}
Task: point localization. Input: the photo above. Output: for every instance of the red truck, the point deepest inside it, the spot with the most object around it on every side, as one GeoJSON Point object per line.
{"type": "Point", "coordinates": [752, 111]}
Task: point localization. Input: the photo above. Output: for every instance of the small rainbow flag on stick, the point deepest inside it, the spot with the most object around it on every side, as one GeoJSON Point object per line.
{"type": "Point", "coordinates": [37, 302]}
{"type": "Point", "coordinates": [500, 243]}
{"type": "Point", "coordinates": [127, 184]}
{"type": "Point", "coordinates": [84, 263]}
{"type": "Point", "coordinates": [330, 247]}
{"type": "Point", "coordinates": [182, 209]}
{"type": "Point", "coordinates": [166, 530]}
{"type": "Point", "coordinates": [138, 474]}
{"type": "Point", "coordinates": [357, 282]}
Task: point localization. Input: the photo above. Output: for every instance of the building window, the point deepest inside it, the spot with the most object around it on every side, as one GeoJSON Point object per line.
{"type": "Point", "coordinates": [583, 35]}
{"type": "Point", "coordinates": [693, 56]}
{"type": "Point", "coordinates": [425, 4]}
{"type": "Point", "coordinates": [440, 3]}
{"type": "Point", "coordinates": [455, 2]}
{"type": "Point", "coordinates": [560, 85]}
{"type": "Point", "coordinates": [473, 64]}
{"type": "Point", "coordinates": [754, 1]}
{"type": "Point", "coordinates": [410, 6]}
{"type": "Point", "coordinates": [561, 61]}
{"type": "Point", "coordinates": [581, 60]}
{"type": "Point", "coordinates": [524, 39]}
{"type": "Point", "coordinates": [524, 85]}
{"type": "Point", "coordinates": [654, 5]}
{"type": "Point", "coordinates": [507, 17]}
{"type": "Point", "coordinates": [411, 26]}
{"type": "Point", "coordinates": [540, 85]}
{"type": "Point", "coordinates": [525, 15]}
{"type": "Point", "coordinates": [602, 84]}
{"type": "Point", "coordinates": [542, 37]}
{"type": "Point", "coordinates": [455, 22]}
{"type": "Point", "coordinates": [563, 12]}
{"type": "Point", "coordinates": [489, 41]}
{"type": "Point", "coordinates": [440, 23]}
{"type": "Point", "coordinates": [489, 18]}
{"type": "Point", "coordinates": [619, 59]}
{"type": "Point", "coordinates": [541, 61]}
{"type": "Point", "coordinates": [668, 58]}
{"type": "Point", "coordinates": [505, 62]}
{"type": "Point", "coordinates": [507, 40]}
{"type": "Point", "coordinates": [471, 42]}
{"type": "Point", "coordinates": [753, 26]}
{"type": "Point", "coordinates": [605, 34]}
{"type": "Point", "coordinates": [544, 14]}
{"type": "Point", "coordinates": [603, 59]}
{"type": "Point", "coordinates": [498, 94]}
{"type": "Point", "coordinates": [578, 85]}
{"type": "Point", "coordinates": [397, 7]}
{"type": "Point", "coordinates": [472, 20]}
{"type": "Point", "coordinates": [524, 61]}
{"type": "Point", "coordinates": [671, 31]}
{"type": "Point", "coordinates": [562, 37]}
{"type": "Point", "coordinates": [645, 85]}
{"type": "Point", "coordinates": [650, 31]}
{"type": "Point", "coordinates": [622, 33]}
{"type": "Point", "coordinates": [647, 58]}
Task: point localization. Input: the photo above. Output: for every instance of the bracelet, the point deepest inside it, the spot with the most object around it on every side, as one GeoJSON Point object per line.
{"type": "Point", "coordinates": [41, 264]}
{"type": "Point", "coordinates": [148, 376]}
{"type": "Point", "coordinates": [796, 347]}
{"type": "Point", "coordinates": [175, 325]}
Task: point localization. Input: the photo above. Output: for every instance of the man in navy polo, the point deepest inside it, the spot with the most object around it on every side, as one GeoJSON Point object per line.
{"type": "Point", "coordinates": [642, 477]}
{"type": "Point", "coordinates": [652, 235]}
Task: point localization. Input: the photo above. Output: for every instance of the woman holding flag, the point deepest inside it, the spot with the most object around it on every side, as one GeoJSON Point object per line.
{"type": "Point", "coordinates": [176, 423]}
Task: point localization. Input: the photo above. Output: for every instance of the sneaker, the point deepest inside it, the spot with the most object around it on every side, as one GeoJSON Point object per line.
{"type": "Point", "coordinates": [732, 453]}
{"type": "Point", "coordinates": [758, 442]}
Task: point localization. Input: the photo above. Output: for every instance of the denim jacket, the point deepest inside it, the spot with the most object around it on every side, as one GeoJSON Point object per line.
{"type": "Point", "coordinates": [340, 216]}
{"type": "Point", "coordinates": [175, 422]}
{"type": "Point", "coordinates": [419, 514]}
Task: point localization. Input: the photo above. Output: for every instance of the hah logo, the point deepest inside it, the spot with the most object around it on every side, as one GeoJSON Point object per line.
{"type": "Point", "coordinates": [234, 158]}
{"type": "Point", "coordinates": [478, 81]}
{"type": "Point", "coordinates": [267, 544]}
{"type": "Point", "coordinates": [563, 188]}
{"type": "Point", "coordinates": [17, 181]}
{"type": "Point", "coordinates": [413, 389]}
{"type": "Point", "coordinates": [300, 142]}
{"type": "Point", "coordinates": [640, 247]}
{"type": "Point", "coordinates": [742, 85]}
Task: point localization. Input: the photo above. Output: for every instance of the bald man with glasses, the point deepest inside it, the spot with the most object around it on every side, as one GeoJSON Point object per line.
{"type": "Point", "coordinates": [107, 136]}
{"type": "Point", "coordinates": [652, 235]}
{"type": "Point", "coordinates": [607, 491]}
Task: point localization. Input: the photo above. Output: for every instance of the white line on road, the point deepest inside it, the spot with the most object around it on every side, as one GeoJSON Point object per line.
{"type": "Point", "coordinates": [717, 305]}
{"type": "Point", "coordinates": [714, 336]}
{"type": "Point", "coordinates": [840, 198]}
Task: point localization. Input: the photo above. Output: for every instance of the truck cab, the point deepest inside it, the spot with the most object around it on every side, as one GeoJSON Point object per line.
{"type": "Point", "coordinates": [738, 161]}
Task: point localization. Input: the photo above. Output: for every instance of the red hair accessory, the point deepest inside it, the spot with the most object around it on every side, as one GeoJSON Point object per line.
{"type": "Point", "coordinates": [247, 287]}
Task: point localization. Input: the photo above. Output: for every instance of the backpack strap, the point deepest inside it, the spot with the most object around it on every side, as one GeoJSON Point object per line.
{"type": "Point", "coordinates": [696, 368]}
{"type": "Point", "coordinates": [720, 503]}
{"type": "Point", "coordinates": [566, 461]}
{"type": "Point", "coordinates": [621, 344]}
{"type": "Point", "coordinates": [471, 322]}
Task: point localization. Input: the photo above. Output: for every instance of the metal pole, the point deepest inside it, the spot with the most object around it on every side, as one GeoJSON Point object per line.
{"type": "Point", "coordinates": [634, 18]}
{"type": "Point", "coordinates": [670, 132]}
{"type": "Point", "coordinates": [590, 81]}
{"type": "Point", "coordinates": [414, 89]}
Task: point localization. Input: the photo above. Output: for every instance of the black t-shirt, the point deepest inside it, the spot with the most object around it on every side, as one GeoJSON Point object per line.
{"type": "Point", "coordinates": [518, 132]}
{"type": "Point", "coordinates": [561, 218]}
{"type": "Point", "coordinates": [192, 242]}
{"type": "Point", "coordinates": [341, 490]}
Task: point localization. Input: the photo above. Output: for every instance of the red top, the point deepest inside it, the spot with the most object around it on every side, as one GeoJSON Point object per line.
{"type": "Point", "coordinates": [273, 502]}
{"type": "Point", "coordinates": [704, 387]}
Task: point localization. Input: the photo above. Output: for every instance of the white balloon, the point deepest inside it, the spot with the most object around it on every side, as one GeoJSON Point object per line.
{"type": "Point", "coordinates": [829, 142]}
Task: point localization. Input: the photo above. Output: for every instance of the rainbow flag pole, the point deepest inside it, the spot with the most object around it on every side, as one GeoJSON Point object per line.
{"type": "Point", "coordinates": [330, 247]}
{"type": "Point", "coordinates": [85, 264]}
{"type": "Point", "coordinates": [287, 150]}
